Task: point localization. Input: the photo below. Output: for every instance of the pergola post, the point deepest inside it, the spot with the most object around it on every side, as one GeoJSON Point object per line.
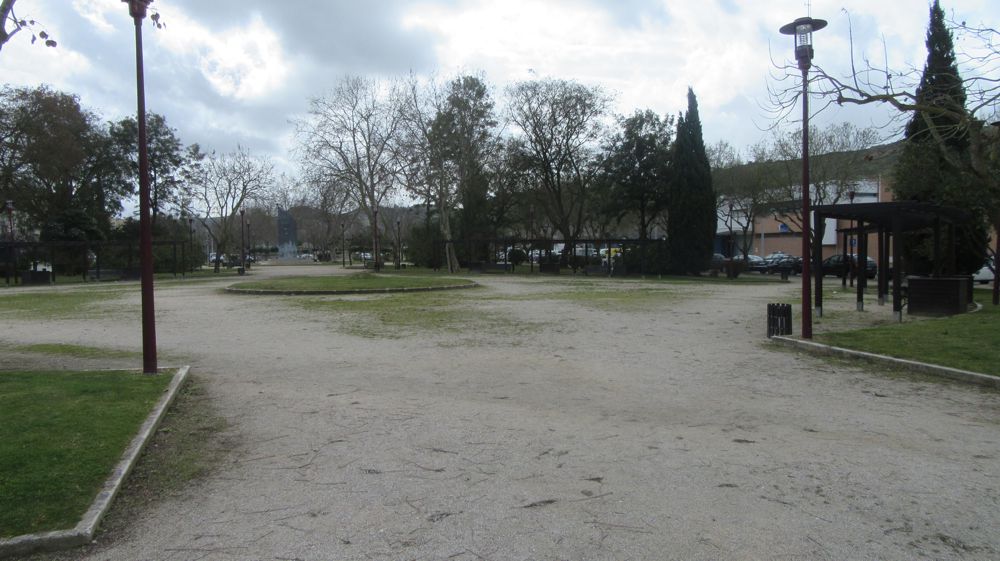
{"type": "Point", "coordinates": [883, 261]}
{"type": "Point", "coordinates": [897, 268]}
{"type": "Point", "coordinates": [844, 256]}
{"type": "Point", "coordinates": [817, 255]}
{"type": "Point", "coordinates": [862, 264]}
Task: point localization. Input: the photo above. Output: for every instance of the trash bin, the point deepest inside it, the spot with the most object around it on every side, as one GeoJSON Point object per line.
{"type": "Point", "coordinates": [779, 319]}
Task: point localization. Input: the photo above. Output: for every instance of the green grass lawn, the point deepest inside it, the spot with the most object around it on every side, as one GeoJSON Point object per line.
{"type": "Point", "coordinates": [61, 433]}
{"type": "Point", "coordinates": [360, 281]}
{"type": "Point", "coordinates": [62, 304]}
{"type": "Point", "coordinates": [76, 351]}
{"type": "Point", "coordinates": [966, 341]}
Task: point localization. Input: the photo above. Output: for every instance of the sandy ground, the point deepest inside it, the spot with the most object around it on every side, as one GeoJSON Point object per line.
{"type": "Point", "coordinates": [667, 429]}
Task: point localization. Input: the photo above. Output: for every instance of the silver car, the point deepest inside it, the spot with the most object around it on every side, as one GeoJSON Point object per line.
{"type": "Point", "coordinates": [985, 274]}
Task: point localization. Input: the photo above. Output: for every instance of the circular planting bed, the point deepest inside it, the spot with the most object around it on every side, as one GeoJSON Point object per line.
{"type": "Point", "coordinates": [364, 283]}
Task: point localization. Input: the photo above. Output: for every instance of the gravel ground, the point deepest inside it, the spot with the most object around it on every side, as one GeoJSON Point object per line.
{"type": "Point", "coordinates": [652, 421]}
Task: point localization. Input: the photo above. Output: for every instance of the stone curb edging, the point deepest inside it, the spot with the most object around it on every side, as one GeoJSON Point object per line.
{"type": "Point", "coordinates": [261, 292]}
{"type": "Point", "coordinates": [84, 531]}
{"type": "Point", "coordinates": [957, 374]}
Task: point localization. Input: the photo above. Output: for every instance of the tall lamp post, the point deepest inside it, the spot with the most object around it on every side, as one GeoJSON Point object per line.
{"type": "Point", "coordinates": [802, 29]}
{"type": "Point", "coordinates": [191, 242]}
{"type": "Point", "coordinates": [399, 247]}
{"type": "Point", "coordinates": [243, 241]}
{"type": "Point", "coordinates": [137, 9]}
{"type": "Point", "coordinates": [250, 250]}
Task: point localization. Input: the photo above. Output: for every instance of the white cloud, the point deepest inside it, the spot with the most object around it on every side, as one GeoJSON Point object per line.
{"type": "Point", "coordinates": [648, 65]}
{"type": "Point", "coordinates": [96, 12]}
{"type": "Point", "coordinates": [240, 62]}
{"type": "Point", "coordinates": [62, 65]}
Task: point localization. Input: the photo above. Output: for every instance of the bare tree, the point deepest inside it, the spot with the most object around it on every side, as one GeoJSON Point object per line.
{"type": "Point", "coordinates": [561, 123]}
{"type": "Point", "coordinates": [355, 135]}
{"type": "Point", "coordinates": [430, 175]}
{"type": "Point", "coordinates": [871, 83]}
{"type": "Point", "coordinates": [16, 25]}
{"type": "Point", "coordinates": [220, 187]}
{"type": "Point", "coordinates": [331, 198]}
{"type": "Point", "coordinates": [836, 156]}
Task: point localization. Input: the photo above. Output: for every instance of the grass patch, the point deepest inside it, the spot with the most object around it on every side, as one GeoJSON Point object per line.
{"type": "Point", "coordinates": [76, 351]}
{"type": "Point", "coordinates": [55, 458]}
{"type": "Point", "coordinates": [966, 341]}
{"type": "Point", "coordinates": [49, 304]}
{"type": "Point", "coordinates": [190, 443]}
{"type": "Point", "coordinates": [604, 298]}
{"type": "Point", "coordinates": [392, 316]}
{"type": "Point", "coordinates": [360, 281]}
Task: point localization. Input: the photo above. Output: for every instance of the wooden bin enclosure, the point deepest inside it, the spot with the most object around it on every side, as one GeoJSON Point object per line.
{"type": "Point", "coordinates": [937, 296]}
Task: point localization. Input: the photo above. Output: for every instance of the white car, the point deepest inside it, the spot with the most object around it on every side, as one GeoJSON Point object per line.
{"type": "Point", "coordinates": [985, 274]}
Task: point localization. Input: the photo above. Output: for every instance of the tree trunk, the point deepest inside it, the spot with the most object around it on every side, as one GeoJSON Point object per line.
{"type": "Point", "coordinates": [449, 248]}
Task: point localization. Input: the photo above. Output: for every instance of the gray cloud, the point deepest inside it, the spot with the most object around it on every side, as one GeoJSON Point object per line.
{"type": "Point", "coordinates": [344, 34]}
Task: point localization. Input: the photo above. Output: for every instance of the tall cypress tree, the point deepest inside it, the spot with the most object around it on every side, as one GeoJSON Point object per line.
{"type": "Point", "coordinates": [922, 172]}
{"type": "Point", "coordinates": [691, 218]}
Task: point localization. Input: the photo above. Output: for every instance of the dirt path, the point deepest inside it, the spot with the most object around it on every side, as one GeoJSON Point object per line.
{"type": "Point", "coordinates": [547, 424]}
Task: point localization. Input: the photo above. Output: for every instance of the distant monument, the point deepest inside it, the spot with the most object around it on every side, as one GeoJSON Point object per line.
{"type": "Point", "coordinates": [288, 240]}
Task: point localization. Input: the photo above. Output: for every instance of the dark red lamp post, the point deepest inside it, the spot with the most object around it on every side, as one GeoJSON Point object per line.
{"type": "Point", "coordinates": [243, 241]}
{"type": "Point", "coordinates": [191, 242]}
{"type": "Point", "coordinates": [137, 9]}
{"type": "Point", "coordinates": [802, 29]}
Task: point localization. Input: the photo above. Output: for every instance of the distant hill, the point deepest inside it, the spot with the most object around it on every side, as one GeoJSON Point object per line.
{"type": "Point", "coordinates": [873, 162]}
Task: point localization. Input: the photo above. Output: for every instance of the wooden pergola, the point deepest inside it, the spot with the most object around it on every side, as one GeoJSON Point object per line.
{"type": "Point", "coordinates": [889, 221]}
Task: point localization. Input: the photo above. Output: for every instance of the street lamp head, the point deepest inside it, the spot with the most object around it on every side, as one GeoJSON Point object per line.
{"type": "Point", "coordinates": [851, 194]}
{"type": "Point", "coordinates": [137, 8]}
{"type": "Point", "coordinates": [802, 29]}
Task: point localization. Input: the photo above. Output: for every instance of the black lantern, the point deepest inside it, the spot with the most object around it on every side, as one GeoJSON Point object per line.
{"type": "Point", "coordinates": [802, 29]}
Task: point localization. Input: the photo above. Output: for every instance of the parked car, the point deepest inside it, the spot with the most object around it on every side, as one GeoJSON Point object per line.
{"type": "Point", "coordinates": [984, 275]}
{"type": "Point", "coordinates": [775, 255]}
{"type": "Point", "coordinates": [783, 262]}
{"type": "Point", "coordinates": [756, 263]}
{"type": "Point", "coordinates": [835, 265]}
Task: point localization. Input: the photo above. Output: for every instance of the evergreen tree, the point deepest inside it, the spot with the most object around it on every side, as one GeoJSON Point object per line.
{"type": "Point", "coordinates": [691, 219]}
{"type": "Point", "coordinates": [636, 165]}
{"type": "Point", "coordinates": [923, 173]}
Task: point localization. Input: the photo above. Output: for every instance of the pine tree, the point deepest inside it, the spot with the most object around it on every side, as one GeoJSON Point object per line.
{"type": "Point", "coordinates": [922, 173]}
{"type": "Point", "coordinates": [691, 218]}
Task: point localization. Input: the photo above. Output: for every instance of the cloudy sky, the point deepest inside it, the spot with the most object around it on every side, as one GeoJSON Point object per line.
{"type": "Point", "coordinates": [228, 72]}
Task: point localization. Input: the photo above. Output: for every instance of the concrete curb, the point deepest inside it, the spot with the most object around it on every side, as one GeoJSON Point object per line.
{"type": "Point", "coordinates": [259, 292]}
{"type": "Point", "coordinates": [85, 529]}
{"type": "Point", "coordinates": [966, 376]}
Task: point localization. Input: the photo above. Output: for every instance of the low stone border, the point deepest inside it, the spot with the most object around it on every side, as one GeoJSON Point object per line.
{"type": "Point", "coordinates": [85, 529]}
{"type": "Point", "coordinates": [966, 376]}
{"type": "Point", "coordinates": [261, 291]}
